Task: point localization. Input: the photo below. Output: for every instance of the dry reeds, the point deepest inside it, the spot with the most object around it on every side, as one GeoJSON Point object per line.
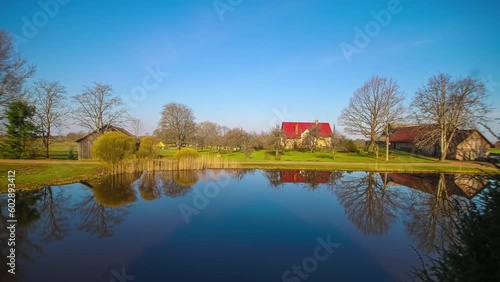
{"type": "Point", "coordinates": [168, 164]}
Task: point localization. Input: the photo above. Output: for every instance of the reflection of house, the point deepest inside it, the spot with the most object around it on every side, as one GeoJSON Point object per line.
{"type": "Point", "coordinates": [466, 144]}
{"type": "Point", "coordinates": [296, 131]}
{"type": "Point", "coordinates": [456, 184]}
{"type": "Point", "coordinates": [85, 142]}
{"type": "Point", "coordinates": [305, 176]}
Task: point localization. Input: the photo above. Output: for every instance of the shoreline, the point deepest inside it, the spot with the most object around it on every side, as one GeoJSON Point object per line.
{"type": "Point", "coordinates": [39, 173]}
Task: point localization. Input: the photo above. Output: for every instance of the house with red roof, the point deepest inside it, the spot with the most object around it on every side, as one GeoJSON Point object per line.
{"type": "Point", "coordinates": [466, 144]}
{"type": "Point", "coordinates": [295, 131]}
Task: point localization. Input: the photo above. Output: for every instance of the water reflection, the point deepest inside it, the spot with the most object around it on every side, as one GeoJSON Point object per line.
{"type": "Point", "coordinates": [368, 202]}
{"type": "Point", "coordinates": [115, 190]}
{"type": "Point", "coordinates": [373, 202]}
{"type": "Point", "coordinates": [433, 204]}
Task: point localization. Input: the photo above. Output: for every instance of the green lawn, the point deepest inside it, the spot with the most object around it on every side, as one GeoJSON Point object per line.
{"type": "Point", "coordinates": [60, 150]}
{"type": "Point", "coordinates": [495, 150]}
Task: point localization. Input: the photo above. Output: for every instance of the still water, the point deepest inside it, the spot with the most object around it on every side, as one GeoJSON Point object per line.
{"type": "Point", "coordinates": [235, 225]}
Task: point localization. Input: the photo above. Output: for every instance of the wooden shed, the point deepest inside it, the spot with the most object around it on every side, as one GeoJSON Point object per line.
{"type": "Point", "coordinates": [85, 142]}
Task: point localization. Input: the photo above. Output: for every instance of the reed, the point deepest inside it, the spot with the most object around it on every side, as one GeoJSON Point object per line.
{"type": "Point", "coordinates": [170, 164]}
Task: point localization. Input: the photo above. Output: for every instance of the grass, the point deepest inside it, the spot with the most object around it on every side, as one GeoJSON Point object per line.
{"type": "Point", "coordinates": [33, 174]}
{"type": "Point", "coordinates": [495, 150]}
{"type": "Point", "coordinates": [318, 156]}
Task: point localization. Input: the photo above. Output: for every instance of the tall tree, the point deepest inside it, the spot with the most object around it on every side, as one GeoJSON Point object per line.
{"type": "Point", "coordinates": [177, 124]}
{"type": "Point", "coordinates": [206, 134]}
{"type": "Point", "coordinates": [97, 107]}
{"type": "Point", "coordinates": [375, 105]}
{"type": "Point", "coordinates": [13, 71]}
{"type": "Point", "coordinates": [450, 105]}
{"type": "Point", "coordinates": [21, 130]}
{"type": "Point", "coordinates": [51, 109]}
{"type": "Point", "coordinates": [337, 142]}
{"type": "Point", "coordinates": [137, 126]}
{"type": "Point", "coordinates": [277, 140]}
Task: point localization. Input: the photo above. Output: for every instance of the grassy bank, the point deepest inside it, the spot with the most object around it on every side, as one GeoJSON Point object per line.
{"type": "Point", "coordinates": [32, 174]}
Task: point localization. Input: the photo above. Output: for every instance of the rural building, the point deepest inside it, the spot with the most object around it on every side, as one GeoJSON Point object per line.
{"type": "Point", "coordinates": [466, 144]}
{"type": "Point", "coordinates": [296, 131]}
{"type": "Point", "coordinates": [85, 142]}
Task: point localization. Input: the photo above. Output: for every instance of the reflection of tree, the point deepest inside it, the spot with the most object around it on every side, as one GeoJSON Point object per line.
{"type": "Point", "coordinates": [54, 213]}
{"type": "Point", "coordinates": [26, 215]}
{"type": "Point", "coordinates": [170, 186]}
{"type": "Point", "coordinates": [239, 174]}
{"type": "Point", "coordinates": [335, 179]}
{"type": "Point", "coordinates": [186, 177]}
{"type": "Point", "coordinates": [97, 218]}
{"type": "Point", "coordinates": [107, 206]}
{"type": "Point", "coordinates": [368, 203]}
{"type": "Point", "coordinates": [149, 186]}
{"type": "Point", "coordinates": [431, 214]}
{"type": "Point", "coordinates": [115, 190]}
{"type": "Point", "coordinates": [274, 177]}
{"type": "Point", "coordinates": [312, 178]}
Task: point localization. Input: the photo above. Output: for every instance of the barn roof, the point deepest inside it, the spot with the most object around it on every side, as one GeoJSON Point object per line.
{"type": "Point", "coordinates": [294, 129]}
{"type": "Point", "coordinates": [105, 129]}
{"type": "Point", "coordinates": [409, 134]}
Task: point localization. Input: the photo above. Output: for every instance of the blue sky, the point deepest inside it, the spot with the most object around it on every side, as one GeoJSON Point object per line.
{"type": "Point", "coordinates": [256, 63]}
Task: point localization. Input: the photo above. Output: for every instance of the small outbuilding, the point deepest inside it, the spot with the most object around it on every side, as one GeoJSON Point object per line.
{"type": "Point", "coordinates": [466, 144]}
{"type": "Point", "coordinates": [85, 142]}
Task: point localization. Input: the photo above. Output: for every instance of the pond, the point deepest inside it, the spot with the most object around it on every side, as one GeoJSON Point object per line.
{"type": "Point", "coordinates": [235, 225]}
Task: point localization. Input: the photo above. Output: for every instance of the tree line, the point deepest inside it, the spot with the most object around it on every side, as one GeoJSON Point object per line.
{"type": "Point", "coordinates": [33, 112]}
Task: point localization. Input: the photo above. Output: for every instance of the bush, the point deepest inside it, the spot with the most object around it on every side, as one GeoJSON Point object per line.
{"type": "Point", "coordinates": [185, 153]}
{"type": "Point", "coordinates": [351, 147]}
{"type": "Point", "coordinates": [113, 147]}
{"type": "Point", "coordinates": [147, 148]}
{"type": "Point", "coordinates": [71, 154]}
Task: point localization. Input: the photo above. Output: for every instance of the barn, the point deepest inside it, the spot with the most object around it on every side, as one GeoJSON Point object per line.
{"type": "Point", "coordinates": [85, 142]}
{"type": "Point", "coordinates": [466, 144]}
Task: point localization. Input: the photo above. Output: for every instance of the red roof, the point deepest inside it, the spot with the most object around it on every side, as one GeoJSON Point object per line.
{"type": "Point", "coordinates": [294, 130]}
{"type": "Point", "coordinates": [296, 176]}
{"type": "Point", "coordinates": [408, 134]}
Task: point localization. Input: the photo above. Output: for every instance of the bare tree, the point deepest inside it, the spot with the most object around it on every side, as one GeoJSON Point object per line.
{"type": "Point", "coordinates": [310, 141]}
{"type": "Point", "coordinates": [448, 106]}
{"type": "Point", "coordinates": [13, 71]}
{"type": "Point", "coordinates": [206, 134]}
{"type": "Point", "coordinates": [49, 98]}
{"type": "Point", "coordinates": [277, 139]}
{"type": "Point", "coordinates": [238, 138]}
{"type": "Point", "coordinates": [337, 142]}
{"type": "Point", "coordinates": [376, 104]}
{"type": "Point", "coordinates": [137, 126]}
{"type": "Point", "coordinates": [97, 107]}
{"type": "Point", "coordinates": [177, 124]}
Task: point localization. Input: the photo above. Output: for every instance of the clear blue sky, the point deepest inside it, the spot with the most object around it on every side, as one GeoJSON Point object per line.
{"type": "Point", "coordinates": [259, 62]}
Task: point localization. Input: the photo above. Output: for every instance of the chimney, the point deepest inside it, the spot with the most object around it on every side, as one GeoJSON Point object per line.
{"type": "Point", "coordinates": [296, 128]}
{"type": "Point", "coordinates": [316, 121]}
